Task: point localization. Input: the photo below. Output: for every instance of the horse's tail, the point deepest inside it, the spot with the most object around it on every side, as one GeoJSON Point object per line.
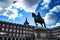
{"type": "Point", "coordinates": [44, 25]}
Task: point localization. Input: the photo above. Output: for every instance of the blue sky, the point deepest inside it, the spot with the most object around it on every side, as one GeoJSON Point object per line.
{"type": "Point", "coordinates": [17, 12]}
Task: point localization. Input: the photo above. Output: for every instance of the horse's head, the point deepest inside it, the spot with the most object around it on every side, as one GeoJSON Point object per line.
{"type": "Point", "coordinates": [33, 15]}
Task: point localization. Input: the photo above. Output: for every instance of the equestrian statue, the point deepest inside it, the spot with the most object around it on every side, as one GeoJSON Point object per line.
{"type": "Point", "coordinates": [38, 19]}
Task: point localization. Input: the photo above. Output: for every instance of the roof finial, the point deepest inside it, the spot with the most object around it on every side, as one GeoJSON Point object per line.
{"type": "Point", "coordinates": [26, 22]}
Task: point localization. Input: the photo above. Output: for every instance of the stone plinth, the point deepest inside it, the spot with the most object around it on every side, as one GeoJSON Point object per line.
{"type": "Point", "coordinates": [40, 34]}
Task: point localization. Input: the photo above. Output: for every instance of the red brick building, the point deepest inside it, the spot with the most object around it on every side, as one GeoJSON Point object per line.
{"type": "Point", "coordinates": [13, 31]}
{"type": "Point", "coordinates": [54, 33]}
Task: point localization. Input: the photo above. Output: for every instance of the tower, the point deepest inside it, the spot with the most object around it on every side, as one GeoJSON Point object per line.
{"type": "Point", "coordinates": [26, 22]}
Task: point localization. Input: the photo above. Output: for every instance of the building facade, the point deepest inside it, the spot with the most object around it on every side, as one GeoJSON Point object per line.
{"type": "Point", "coordinates": [54, 33]}
{"type": "Point", "coordinates": [47, 34]}
{"type": "Point", "coordinates": [13, 31]}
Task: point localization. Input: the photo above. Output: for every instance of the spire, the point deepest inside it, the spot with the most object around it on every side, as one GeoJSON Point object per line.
{"type": "Point", "coordinates": [26, 22]}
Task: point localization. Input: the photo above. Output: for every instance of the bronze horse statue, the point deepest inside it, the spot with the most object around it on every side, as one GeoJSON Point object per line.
{"type": "Point", "coordinates": [38, 19]}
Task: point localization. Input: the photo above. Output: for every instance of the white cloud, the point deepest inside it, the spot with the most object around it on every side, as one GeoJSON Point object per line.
{"type": "Point", "coordinates": [57, 24]}
{"type": "Point", "coordinates": [21, 14]}
{"type": "Point", "coordinates": [50, 18]}
{"type": "Point", "coordinates": [14, 15]}
{"type": "Point", "coordinates": [5, 14]}
{"type": "Point", "coordinates": [27, 5]}
{"type": "Point", "coordinates": [11, 13]}
{"type": "Point", "coordinates": [52, 26]}
{"type": "Point", "coordinates": [45, 4]}
{"type": "Point", "coordinates": [45, 7]}
{"type": "Point", "coordinates": [5, 3]}
{"type": "Point", "coordinates": [47, 1]}
{"type": "Point", "coordinates": [6, 7]}
{"type": "Point", "coordinates": [1, 8]}
{"type": "Point", "coordinates": [55, 9]}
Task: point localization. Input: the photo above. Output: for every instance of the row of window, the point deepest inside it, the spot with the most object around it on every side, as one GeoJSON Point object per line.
{"type": "Point", "coordinates": [13, 29]}
{"type": "Point", "coordinates": [11, 26]}
{"type": "Point", "coordinates": [6, 38]}
{"type": "Point", "coordinates": [15, 26]}
{"type": "Point", "coordinates": [56, 30]}
{"type": "Point", "coordinates": [54, 36]}
{"type": "Point", "coordinates": [55, 33]}
{"type": "Point", "coordinates": [10, 30]}
{"type": "Point", "coordinates": [10, 34]}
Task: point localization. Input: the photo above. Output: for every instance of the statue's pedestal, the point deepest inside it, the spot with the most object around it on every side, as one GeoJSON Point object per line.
{"type": "Point", "coordinates": [40, 34]}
